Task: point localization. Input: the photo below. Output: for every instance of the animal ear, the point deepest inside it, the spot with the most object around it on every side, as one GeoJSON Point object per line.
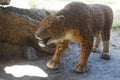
{"type": "Point", "coordinates": [47, 13]}
{"type": "Point", "coordinates": [60, 18]}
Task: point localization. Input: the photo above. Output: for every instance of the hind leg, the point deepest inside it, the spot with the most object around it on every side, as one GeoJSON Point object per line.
{"type": "Point", "coordinates": [97, 42]}
{"type": "Point", "coordinates": [106, 34]}
{"type": "Point", "coordinates": [105, 53]}
{"type": "Point", "coordinates": [106, 38]}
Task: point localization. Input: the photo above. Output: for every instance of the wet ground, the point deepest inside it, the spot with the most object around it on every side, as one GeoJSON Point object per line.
{"type": "Point", "coordinates": [98, 69]}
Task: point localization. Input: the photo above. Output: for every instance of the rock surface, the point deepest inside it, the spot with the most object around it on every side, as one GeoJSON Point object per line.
{"type": "Point", "coordinates": [17, 28]}
{"type": "Point", "coordinates": [29, 53]}
{"type": "Point", "coordinates": [5, 2]}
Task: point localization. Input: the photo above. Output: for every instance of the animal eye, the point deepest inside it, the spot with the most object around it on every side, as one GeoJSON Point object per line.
{"type": "Point", "coordinates": [49, 24]}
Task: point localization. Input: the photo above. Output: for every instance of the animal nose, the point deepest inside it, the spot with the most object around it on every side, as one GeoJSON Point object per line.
{"type": "Point", "coordinates": [37, 36]}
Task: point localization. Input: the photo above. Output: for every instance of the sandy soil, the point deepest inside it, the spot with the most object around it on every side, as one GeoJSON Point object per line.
{"type": "Point", "coordinates": [98, 69]}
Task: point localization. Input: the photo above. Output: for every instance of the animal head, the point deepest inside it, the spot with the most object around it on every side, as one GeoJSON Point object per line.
{"type": "Point", "coordinates": [49, 29]}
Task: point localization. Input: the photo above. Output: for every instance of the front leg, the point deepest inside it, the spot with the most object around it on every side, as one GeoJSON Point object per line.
{"type": "Point", "coordinates": [54, 63]}
{"type": "Point", "coordinates": [86, 48]}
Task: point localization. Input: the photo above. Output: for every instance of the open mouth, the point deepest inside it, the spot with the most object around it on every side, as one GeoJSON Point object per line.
{"type": "Point", "coordinates": [44, 42]}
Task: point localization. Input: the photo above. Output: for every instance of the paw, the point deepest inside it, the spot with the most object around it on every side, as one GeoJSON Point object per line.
{"type": "Point", "coordinates": [105, 56]}
{"type": "Point", "coordinates": [80, 68]}
{"type": "Point", "coordinates": [95, 50]}
{"type": "Point", "coordinates": [52, 64]}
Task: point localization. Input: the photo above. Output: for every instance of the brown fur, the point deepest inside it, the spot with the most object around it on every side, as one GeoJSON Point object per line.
{"type": "Point", "coordinates": [77, 22]}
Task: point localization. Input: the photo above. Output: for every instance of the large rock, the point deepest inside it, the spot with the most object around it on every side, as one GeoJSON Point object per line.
{"type": "Point", "coordinates": [17, 30]}
{"type": "Point", "coordinates": [4, 2]}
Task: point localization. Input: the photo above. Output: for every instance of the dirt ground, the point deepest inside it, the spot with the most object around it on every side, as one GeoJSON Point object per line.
{"type": "Point", "coordinates": [98, 69]}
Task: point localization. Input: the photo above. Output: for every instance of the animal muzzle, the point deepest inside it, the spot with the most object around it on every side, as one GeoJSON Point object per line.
{"type": "Point", "coordinates": [41, 42]}
{"type": "Point", "coordinates": [37, 36]}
